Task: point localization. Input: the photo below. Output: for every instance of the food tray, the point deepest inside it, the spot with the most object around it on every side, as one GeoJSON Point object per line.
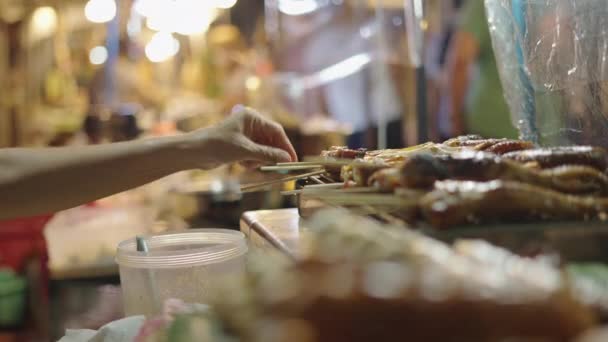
{"type": "Point", "coordinates": [575, 241]}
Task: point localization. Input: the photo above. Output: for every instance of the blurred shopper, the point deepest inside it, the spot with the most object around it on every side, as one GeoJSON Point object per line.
{"type": "Point", "coordinates": [477, 103]}
{"type": "Point", "coordinates": [435, 63]}
{"type": "Point", "coordinates": [337, 54]}
{"type": "Point", "coordinates": [362, 95]}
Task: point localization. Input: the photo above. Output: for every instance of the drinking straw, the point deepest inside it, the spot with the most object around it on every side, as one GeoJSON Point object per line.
{"type": "Point", "coordinates": [142, 246]}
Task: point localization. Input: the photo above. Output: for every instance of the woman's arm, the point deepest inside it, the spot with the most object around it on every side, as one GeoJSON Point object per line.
{"type": "Point", "coordinates": [42, 180]}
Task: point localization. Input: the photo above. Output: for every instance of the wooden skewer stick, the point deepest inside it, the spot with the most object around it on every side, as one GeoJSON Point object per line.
{"type": "Point", "coordinates": [364, 199]}
{"type": "Point", "coordinates": [314, 187]}
{"type": "Point", "coordinates": [290, 167]}
{"type": "Point", "coordinates": [329, 162]}
{"type": "Point", "coordinates": [301, 163]}
{"type": "Point", "coordinates": [316, 180]}
{"type": "Point", "coordinates": [305, 192]}
{"type": "Point", "coordinates": [383, 215]}
{"type": "Point", "coordinates": [261, 185]}
{"type": "Point", "coordinates": [325, 186]}
{"type": "Point", "coordinates": [321, 189]}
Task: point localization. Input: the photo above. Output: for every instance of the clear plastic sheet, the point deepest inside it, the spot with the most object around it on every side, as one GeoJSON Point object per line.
{"type": "Point", "coordinates": [552, 59]}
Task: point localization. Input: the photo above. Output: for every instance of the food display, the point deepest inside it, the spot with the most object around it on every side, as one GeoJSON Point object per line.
{"type": "Point", "coordinates": [468, 180]}
{"type": "Point", "coordinates": [363, 280]}
{"type": "Point", "coordinates": [388, 256]}
{"type": "Point", "coordinates": [459, 202]}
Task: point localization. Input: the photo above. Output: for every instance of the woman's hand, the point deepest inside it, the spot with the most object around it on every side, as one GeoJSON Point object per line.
{"type": "Point", "coordinates": [245, 136]}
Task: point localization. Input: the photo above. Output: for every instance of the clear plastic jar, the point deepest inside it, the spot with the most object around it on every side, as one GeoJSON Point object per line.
{"type": "Point", "coordinates": [188, 265]}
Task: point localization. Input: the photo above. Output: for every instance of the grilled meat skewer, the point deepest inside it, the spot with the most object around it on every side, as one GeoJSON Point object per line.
{"type": "Point", "coordinates": [566, 155]}
{"type": "Point", "coordinates": [498, 146]}
{"type": "Point", "coordinates": [459, 202]}
{"type": "Point", "coordinates": [421, 171]}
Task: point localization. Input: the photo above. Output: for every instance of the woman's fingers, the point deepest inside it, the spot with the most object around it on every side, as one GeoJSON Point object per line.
{"type": "Point", "coordinates": [265, 132]}
{"type": "Point", "coordinates": [268, 154]}
{"type": "Point", "coordinates": [279, 139]}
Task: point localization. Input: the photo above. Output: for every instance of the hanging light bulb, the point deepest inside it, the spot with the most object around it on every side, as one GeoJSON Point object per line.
{"type": "Point", "coordinates": [100, 11]}
{"type": "Point", "coordinates": [224, 4]}
{"type": "Point", "coordinates": [161, 47]}
{"type": "Point", "coordinates": [44, 21]}
{"type": "Point", "coordinates": [98, 55]}
{"type": "Point", "coordinates": [298, 7]}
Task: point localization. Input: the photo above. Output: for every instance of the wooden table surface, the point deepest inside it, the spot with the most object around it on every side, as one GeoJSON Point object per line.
{"type": "Point", "coordinates": [281, 229]}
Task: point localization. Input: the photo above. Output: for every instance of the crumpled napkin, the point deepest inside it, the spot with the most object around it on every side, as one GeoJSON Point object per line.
{"type": "Point", "coordinates": [123, 330]}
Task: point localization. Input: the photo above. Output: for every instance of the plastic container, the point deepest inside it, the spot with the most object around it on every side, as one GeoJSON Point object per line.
{"type": "Point", "coordinates": [188, 265]}
{"type": "Point", "coordinates": [553, 61]}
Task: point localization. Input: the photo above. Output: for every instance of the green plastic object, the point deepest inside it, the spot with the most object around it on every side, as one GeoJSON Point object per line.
{"type": "Point", "coordinates": [13, 289]}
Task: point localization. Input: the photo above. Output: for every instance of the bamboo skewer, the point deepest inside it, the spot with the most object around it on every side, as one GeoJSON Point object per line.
{"type": "Point", "coordinates": [301, 163]}
{"type": "Point", "coordinates": [329, 162]}
{"type": "Point", "coordinates": [316, 180]}
{"type": "Point", "coordinates": [261, 185]}
{"type": "Point", "coordinates": [325, 186]}
{"type": "Point", "coordinates": [389, 200]}
{"type": "Point", "coordinates": [384, 215]}
{"type": "Point", "coordinates": [290, 167]}
{"type": "Point", "coordinates": [329, 190]}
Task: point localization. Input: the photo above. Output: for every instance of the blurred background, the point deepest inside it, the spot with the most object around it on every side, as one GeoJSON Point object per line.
{"type": "Point", "coordinates": [362, 73]}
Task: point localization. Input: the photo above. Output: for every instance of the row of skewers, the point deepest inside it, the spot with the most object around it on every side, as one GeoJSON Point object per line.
{"type": "Point", "coordinates": [364, 281]}
{"type": "Point", "coordinates": [462, 181]}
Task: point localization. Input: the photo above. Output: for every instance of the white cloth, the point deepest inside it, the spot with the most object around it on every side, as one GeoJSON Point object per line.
{"type": "Point", "coordinates": [361, 97]}
{"type": "Point", "coordinates": [384, 96]}
{"type": "Point", "coordinates": [124, 330]}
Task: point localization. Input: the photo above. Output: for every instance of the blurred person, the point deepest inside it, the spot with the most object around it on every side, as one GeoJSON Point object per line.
{"type": "Point", "coordinates": [477, 105]}
{"type": "Point", "coordinates": [44, 180]}
{"type": "Point", "coordinates": [359, 93]}
{"type": "Point", "coordinates": [435, 63]}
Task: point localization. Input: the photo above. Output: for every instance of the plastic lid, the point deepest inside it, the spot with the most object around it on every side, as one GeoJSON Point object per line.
{"type": "Point", "coordinates": [193, 247]}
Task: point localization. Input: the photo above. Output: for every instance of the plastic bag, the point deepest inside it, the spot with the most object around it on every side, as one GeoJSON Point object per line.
{"type": "Point", "coordinates": [552, 59]}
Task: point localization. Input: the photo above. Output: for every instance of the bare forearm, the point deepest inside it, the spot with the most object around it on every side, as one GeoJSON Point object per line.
{"type": "Point", "coordinates": [36, 181]}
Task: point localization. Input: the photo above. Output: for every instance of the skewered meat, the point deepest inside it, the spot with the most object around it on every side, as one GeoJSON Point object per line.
{"type": "Point", "coordinates": [386, 180]}
{"type": "Point", "coordinates": [343, 152]}
{"type": "Point", "coordinates": [391, 156]}
{"type": "Point", "coordinates": [396, 156]}
{"type": "Point", "coordinates": [361, 170]}
{"type": "Point", "coordinates": [507, 146]}
{"type": "Point", "coordinates": [423, 170]}
{"type": "Point", "coordinates": [565, 155]}
{"type": "Point", "coordinates": [460, 140]}
{"type": "Point", "coordinates": [358, 172]}
{"type": "Point", "coordinates": [363, 281]}
{"type": "Point", "coordinates": [354, 303]}
{"type": "Point", "coordinates": [498, 146]}
{"type": "Point", "coordinates": [459, 202]}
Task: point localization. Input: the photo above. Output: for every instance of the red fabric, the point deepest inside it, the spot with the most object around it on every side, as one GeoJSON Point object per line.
{"type": "Point", "coordinates": [21, 239]}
